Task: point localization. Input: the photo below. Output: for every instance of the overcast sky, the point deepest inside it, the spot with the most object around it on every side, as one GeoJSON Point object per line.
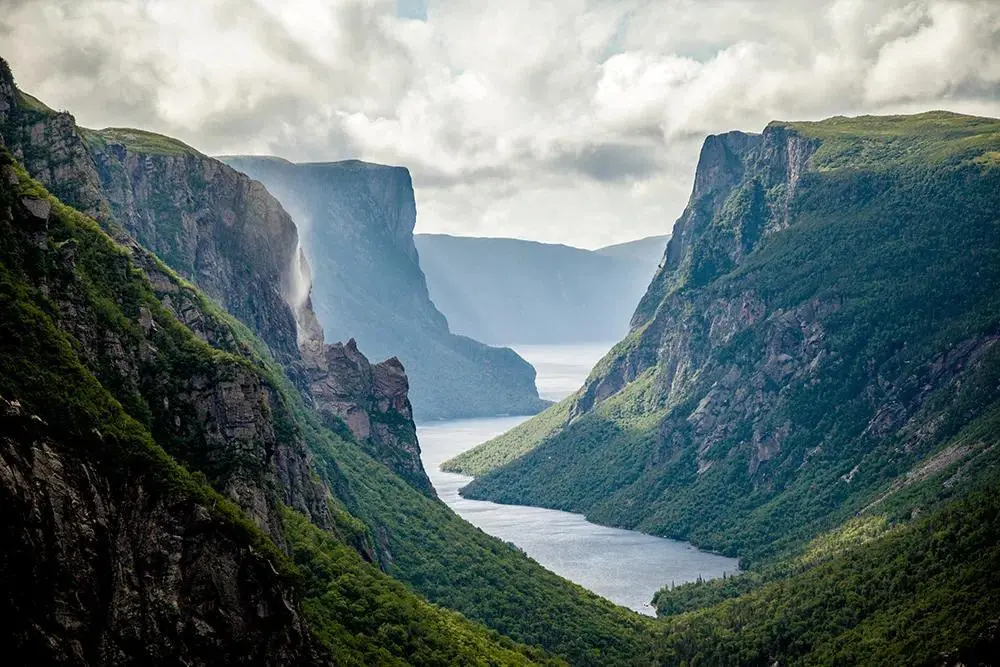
{"type": "Point", "coordinates": [577, 121]}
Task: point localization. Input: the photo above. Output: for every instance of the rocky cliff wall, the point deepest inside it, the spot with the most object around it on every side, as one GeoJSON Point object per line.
{"type": "Point", "coordinates": [208, 222]}
{"type": "Point", "coordinates": [357, 221]}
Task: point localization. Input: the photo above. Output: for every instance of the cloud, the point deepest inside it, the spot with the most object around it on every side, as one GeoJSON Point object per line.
{"type": "Point", "coordinates": [578, 121]}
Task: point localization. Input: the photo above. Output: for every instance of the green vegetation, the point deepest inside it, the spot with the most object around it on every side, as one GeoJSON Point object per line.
{"type": "Point", "coordinates": [456, 565]}
{"type": "Point", "coordinates": [365, 617]}
{"type": "Point", "coordinates": [881, 143]}
{"type": "Point", "coordinates": [513, 444]}
{"type": "Point", "coordinates": [136, 141]}
{"type": "Point", "coordinates": [928, 589]}
{"type": "Point", "coordinates": [32, 103]}
{"type": "Point", "coordinates": [894, 276]}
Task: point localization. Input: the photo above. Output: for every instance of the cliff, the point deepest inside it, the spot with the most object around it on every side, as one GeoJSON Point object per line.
{"type": "Point", "coordinates": [513, 291]}
{"type": "Point", "coordinates": [372, 401]}
{"type": "Point", "coordinates": [823, 324]}
{"type": "Point", "coordinates": [356, 221]}
{"type": "Point", "coordinates": [211, 224]}
{"type": "Point", "coordinates": [116, 552]}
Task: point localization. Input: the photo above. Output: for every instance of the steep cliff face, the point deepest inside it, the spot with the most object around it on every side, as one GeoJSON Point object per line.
{"type": "Point", "coordinates": [115, 554]}
{"type": "Point", "coordinates": [109, 566]}
{"type": "Point", "coordinates": [825, 318]}
{"type": "Point", "coordinates": [47, 143]}
{"type": "Point", "coordinates": [208, 222]}
{"type": "Point", "coordinates": [356, 221]}
{"type": "Point", "coordinates": [371, 400]}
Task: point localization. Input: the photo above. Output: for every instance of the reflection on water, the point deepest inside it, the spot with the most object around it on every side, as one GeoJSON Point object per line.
{"type": "Point", "coordinates": [624, 566]}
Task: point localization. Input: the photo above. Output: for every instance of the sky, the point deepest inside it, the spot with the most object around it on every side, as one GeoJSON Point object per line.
{"type": "Point", "coordinates": [576, 121]}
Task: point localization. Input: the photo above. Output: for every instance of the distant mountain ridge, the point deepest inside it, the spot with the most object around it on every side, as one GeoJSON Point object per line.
{"type": "Point", "coordinates": [513, 291]}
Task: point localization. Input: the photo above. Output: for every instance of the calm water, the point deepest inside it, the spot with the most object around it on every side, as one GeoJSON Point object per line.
{"type": "Point", "coordinates": [622, 565]}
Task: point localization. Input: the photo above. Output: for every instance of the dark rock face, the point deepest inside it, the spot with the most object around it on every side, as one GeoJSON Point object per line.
{"type": "Point", "coordinates": [372, 401]}
{"type": "Point", "coordinates": [99, 566]}
{"type": "Point", "coordinates": [206, 221]}
{"type": "Point", "coordinates": [356, 221]}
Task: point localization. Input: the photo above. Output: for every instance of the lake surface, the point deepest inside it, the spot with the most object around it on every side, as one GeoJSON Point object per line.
{"type": "Point", "coordinates": [624, 566]}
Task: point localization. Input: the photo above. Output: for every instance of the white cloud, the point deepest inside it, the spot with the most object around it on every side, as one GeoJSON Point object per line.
{"type": "Point", "coordinates": [577, 121]}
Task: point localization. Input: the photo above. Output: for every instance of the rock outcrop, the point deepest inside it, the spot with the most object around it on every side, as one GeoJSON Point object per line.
{"type": "Point", "coordinates": [208, 222]}
{"type": "Point", "coordinates": [356, 221]}
{"type": "Point", "coordinates": [371, 400]}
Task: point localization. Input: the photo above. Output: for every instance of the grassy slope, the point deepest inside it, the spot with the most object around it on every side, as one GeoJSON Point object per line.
{"type": "Point", "coordinates": [137, 141]}
{"type": "Point", "coordinates": [908, 596]}
{"type": "Point", "coordinates": [513, 444]}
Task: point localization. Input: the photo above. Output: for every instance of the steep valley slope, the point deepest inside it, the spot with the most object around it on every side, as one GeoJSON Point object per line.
{"type": "Point", "coordinates": [812, 383]}
{"type": "Point", "coordinates": [825, 320]}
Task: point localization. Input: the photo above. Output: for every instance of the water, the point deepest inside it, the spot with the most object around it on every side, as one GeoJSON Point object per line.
{"type": "Point", "coordinates": [624, 566]}
{"type": "Point", "coordinates": [561, 369]}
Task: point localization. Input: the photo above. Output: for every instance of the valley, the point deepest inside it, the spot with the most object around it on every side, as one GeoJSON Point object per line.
{"type": "Point", "coordinates": [247, 416]}
{"type": "Point", "coordinates": [626, 567]}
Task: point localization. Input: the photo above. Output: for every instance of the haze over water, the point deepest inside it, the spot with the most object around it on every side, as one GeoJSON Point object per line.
{"type": "Point", "coordinates": [625, 566]}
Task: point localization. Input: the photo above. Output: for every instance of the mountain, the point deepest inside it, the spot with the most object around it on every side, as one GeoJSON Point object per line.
{"type": "Point", "coordinates": [356, 221]}
{"type": "Point", "coordinates": [825, 320]}
{"type": "Point", "coordinates": [513, 291]}
{"type": "Point", "coordinates": [648, 250]}
{"type": "Point", "coordinates": [172, 488]}
{"type": "Point", "coordinates": [817, 356]}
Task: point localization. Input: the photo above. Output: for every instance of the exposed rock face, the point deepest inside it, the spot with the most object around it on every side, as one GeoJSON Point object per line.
{"type": "Point", "coordinates": [101, 566]}
{"type": "Point", "coordinates": [112, 555]}
{"type": "Point", "coordinates": [206, 221]}
{"type": "Point", "coordinates": [218, 418]}
{"type": "Point", "coordinates": [372, 401]}
{"type": "Point", "coordinates": [214, 226]}
{"type": "Point", "coordinates": [48, 145]}
{"type": "Point", "coordinates": [357, 223]}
